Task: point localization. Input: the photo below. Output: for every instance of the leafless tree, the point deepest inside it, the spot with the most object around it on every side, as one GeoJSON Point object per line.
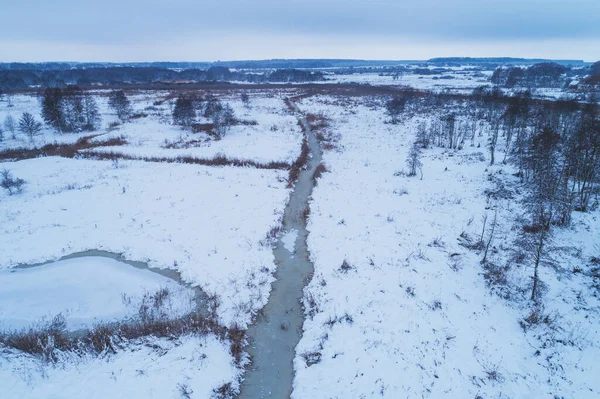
{"type": "Point", "coordinates": [11, 126]}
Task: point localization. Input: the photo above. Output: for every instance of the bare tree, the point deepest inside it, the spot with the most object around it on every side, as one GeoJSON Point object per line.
{"type": "Point", "coordinates": [245, 99]}
{"type": "Point", "coordinates": [222, 120]}
{"type": "Point", "coordinates": [395, 107]}
{"type": "Point", "coordinates": [491, 237]}
{"type": "Point", "coordinates": [414, 160]}
{"type": "Point", "coordinates": [450, 129]}
{"type": "Point", "coordinates": [544, 195]}
{"type": "Point", "coordinates": [11, 126]}
{"type": "Point", "coordinates": [423, 139]}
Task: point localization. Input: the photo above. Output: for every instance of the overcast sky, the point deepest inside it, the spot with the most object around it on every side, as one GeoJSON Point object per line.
{"type": "Point", "coordinates": [209, 30]}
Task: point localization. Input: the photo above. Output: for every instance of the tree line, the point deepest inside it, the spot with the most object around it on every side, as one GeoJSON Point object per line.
{"type": "Point", "coordinates": [68, 110]}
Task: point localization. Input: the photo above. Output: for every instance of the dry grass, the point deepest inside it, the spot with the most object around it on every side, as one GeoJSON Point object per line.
{"type": "Point", "coordinates": [319, 170]}
{"type": "Point", "coordinates": [61, 150]}
{"type": "Point", "coordinates": [219, 160]}
{"type": "Point", "coordinates": [300, 162]}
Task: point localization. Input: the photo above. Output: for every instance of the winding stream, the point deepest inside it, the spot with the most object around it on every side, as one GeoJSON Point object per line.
{"type": "Point", "coordinates": [274, 337]}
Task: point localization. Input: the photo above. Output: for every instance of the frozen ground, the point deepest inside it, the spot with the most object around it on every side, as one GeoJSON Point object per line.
{"type": "Point", "coordinates": [207, 223]}
{"type": "Point", "coordinates": [86, 291]}
{"type": "Point", "coordinates": [397, 308]}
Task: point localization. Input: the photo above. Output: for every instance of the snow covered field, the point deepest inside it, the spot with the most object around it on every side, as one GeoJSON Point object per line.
{"type": "Point", "coordinates": [270, 134]}
{"type": "Point", "coordinates": [210, 224]}
{"type": "Point", "coordinates": [275, 136]}
{"type": "Point", "coordinates": [150, 368]}
{"type": "Point", "coordinates": [85, 290]}
{"type": "Point", "coordinates": [457, 80]}
{"type": "Point", "coordinates": [207, 223]}
{"type": "Point", "coordinates": [397, 308]}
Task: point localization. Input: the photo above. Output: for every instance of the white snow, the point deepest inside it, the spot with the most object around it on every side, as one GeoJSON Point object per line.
{"type": "Point", "coordinates": [289, 240]}
{"type": "Point", "coordinates": [85, 290]}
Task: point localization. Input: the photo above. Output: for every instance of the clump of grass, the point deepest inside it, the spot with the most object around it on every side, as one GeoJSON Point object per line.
{"type": "Point", "coordinates": [319, 170]}
{"type": "Point", "coordinates": [345, 267]}
{"type": "Point", "coordinates": [61, 150]}
{"type": "Point", "coordinates": [299, 163]}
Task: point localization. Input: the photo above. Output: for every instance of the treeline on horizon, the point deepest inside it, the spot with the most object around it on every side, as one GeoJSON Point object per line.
{"type": "Point", "coordinates": [21, 79]}
{"type": "Point", "coordinates": [281, 63]}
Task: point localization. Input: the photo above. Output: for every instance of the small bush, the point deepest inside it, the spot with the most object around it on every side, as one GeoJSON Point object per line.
{"type": "Point", "coordinates": [185, 391]}
{"type": "Point", "coordinates": [299, 163]}
{"type": "Point", "coordinates": [495, 275]}
{"type": "Point", "coordinates": [139, 115]}
{"type": "Point", "coordinates": [320, 169]}
{"type": "Point", "coordinates": [225, 391]}
{"type": "Point", "coordinates": [237, 337]}
{"type": "Point", "coordinates": [311, 358]}
{"type": "Point", "coordinates": [11, 184]}
{"type": "Point", "coordinates": [436, 305]}
{"type": "Point", "coordinates": [345, 267]}
{"type": "Point", "coordinates": [537, 317]}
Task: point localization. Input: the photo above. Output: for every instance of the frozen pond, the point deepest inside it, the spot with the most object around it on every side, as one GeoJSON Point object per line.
{"type": "Point", "coordinates": [86, 290]}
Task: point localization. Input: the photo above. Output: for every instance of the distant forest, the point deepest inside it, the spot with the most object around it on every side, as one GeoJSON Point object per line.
{"type": "Point", "coordinates": [48, 75]}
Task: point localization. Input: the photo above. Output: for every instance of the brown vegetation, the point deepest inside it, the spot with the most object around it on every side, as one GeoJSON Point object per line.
{"type": "Point", "coordinates": [61, 150]}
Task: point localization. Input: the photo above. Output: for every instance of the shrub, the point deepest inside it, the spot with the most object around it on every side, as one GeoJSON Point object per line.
{"type": "Point", "coordinates": [225, 391]}
{"type": "Point", "coordinates": [299, 163]}
{"type": "Point", "coordinates": [11, 184]}
{"type": "Point", "coordinates": [311, 358]}
{"type": "Point", "coordinates": [320, 169]}
{"type": "Point", "coordinates": [345, 267]}
{"type": "Point", "coordinates": [237, 336]}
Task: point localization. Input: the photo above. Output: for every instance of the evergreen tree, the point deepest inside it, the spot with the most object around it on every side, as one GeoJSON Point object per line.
{"type": "Point", "coordinates": [52, 112]}
{"type": "Point", "coordinates": [183, 112]}
{"type": "Point", "coordinates": [29, 126]}
{"type": "Point", "coordinates": [120, 104]}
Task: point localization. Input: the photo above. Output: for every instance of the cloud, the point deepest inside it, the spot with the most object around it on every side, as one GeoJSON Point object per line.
{"type": "Point", "coordinates": [131, 25]}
